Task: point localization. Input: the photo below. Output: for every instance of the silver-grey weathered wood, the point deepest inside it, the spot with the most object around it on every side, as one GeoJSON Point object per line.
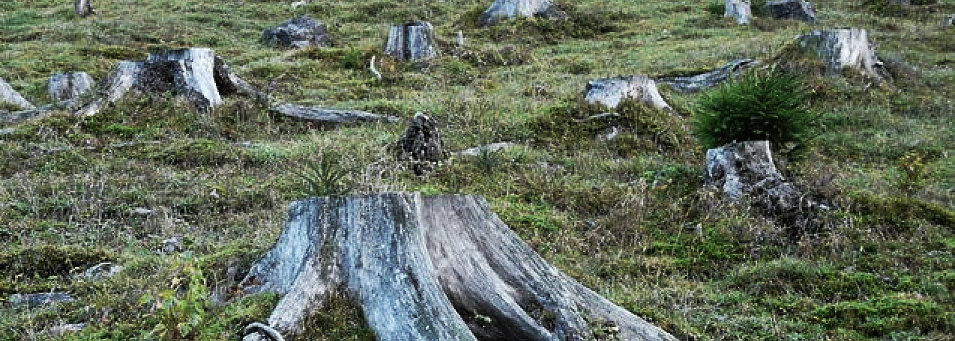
{"type": "Point", "coordinates": [502, 10]}
{"type": "Point", "coordinates": [413, 41]}
{"type": "Point", "coordinates": [66, 88]}
{"type": "Point", "coordinates": [83, 7]}
{"type": "Point", "coordinates": [611, 91]}
{"type": "Point", "coordinates": [792, 9]}
{"type": "Point", "coordinates": [297, 32]}
{"type": "Point", "coordinates": [427, 268]}
{"type": "Point", "coordinates": [843, 48]}
{"type": "Point", "coordinates": [11, 97]}
{"type": "Point", "coordinates": [739, 10]}
{"type": "Point", "coordinates": [330, 115]}
{"type": "Point", "coordinates": [709, 79]}
{"type": "Point", "coordinates": [196, 74]}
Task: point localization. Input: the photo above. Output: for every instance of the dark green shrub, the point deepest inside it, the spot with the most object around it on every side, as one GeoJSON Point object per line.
{"type": "Point", "coordinates": [325, 176]}
{"type": "Point", "coordinates": [760, 105]}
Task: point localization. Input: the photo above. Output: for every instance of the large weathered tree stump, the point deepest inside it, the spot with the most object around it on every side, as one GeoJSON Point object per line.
{"type": "Point", "coordinates": [709, 79]}
{"type": "Point", "coordinates": [413, 41]}
{"type": "Point", "coordinates": [739, 10]}
{"type": "Point", "coordinates": [427, 268]}
{"type": "Point", "coordinates": [196, 74]}
{"type": "Point", "coordinates": [66, 88]}
{"type": "Point", "coordinates": [297, 33]}
{"type": "Point", "coordinates": [502, 10]}
{"type": "Point", "coordinates": [83, 7]}
{"type": "Point", "coordinates": [10, 97]}
{"type": "Point", "coordinates": [611, 91]}
{"type": "Point", "coordinates": [792, 9]}
{"type": "Point", "coordinates": [843, 48]}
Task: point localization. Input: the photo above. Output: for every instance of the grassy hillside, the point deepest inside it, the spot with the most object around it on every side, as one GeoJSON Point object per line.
{"type": "Point", "coordinates": [629, 218]}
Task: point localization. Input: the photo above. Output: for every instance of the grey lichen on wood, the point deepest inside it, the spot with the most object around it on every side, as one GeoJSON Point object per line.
{"type": "Point", "coordinates": [611, 91]}
{"type": "Point", "coordinates": [330, 115]}
{"type": "Point", "coordinates": [83, 7]}
{"type": "Point", "coordinates": [10, 96]}
{"type": "Point", "coordinates": [711, 78]}
{"type": "Point", "coordinates": [502, 10]}
{"type": "Point", "coordinates": [792, 9]}
{"type": "Point", "coordinates": [66, 88]}
{"type": "Point", "coordinates": [297, 33]}
{"type": "Point", "coordinates": [843, 48]}
{"type": "Point", "coordinates": [423, 268]}
{"type": "Point", "coordinates": [413, 41]}
{"type": "Point", "coordinates": [196, 74]}
{"type": "Point", "coordinates": [738, 10]}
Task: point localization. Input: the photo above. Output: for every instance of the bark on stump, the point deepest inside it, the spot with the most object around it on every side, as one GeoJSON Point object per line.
{"type": "Point", "coordinates": [611, 91]}
{"type": "Point", "coordinates": [502, 10]}
{"type": "Point", "coordinates": [843, 48]}
{"type": "Point", "coordinates": [297, 33]}
{"type": "Point", "coordinates": [10, 96]}
{"type": "Point", "coordinates": [739, 10]}
{"type": "Point", "coordinates": [331, 116]}
{"type": "Point", "coordinates": [792, 9]}
{"type": "Point", "coordinates": [196, 74]}
{"type": "Point", "coordinates": [83, 7]}
{"type": "Point", "coordinates": [66, 88]}
{"type": "Point", "coordinates": [427, 268]}
{"type": "Point", "coordinates": [422, 144]}
{"type": "Point", "coordinates": [412, 41]}
{"type": "Point", "coordinates": [709, 79]}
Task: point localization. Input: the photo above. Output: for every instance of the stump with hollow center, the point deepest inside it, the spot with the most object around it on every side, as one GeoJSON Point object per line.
{"type": "Point", "coordinates": [427, 268]}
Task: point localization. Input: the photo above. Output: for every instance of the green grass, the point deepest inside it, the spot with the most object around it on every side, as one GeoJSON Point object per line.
{"type": "Point", "coordinates": [627, 217]}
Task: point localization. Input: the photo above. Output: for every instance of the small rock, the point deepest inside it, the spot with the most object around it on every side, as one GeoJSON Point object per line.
{"type": "Point", "coordinates": [297, 33]}
{"type": "Point", "coordinates": [172, 244]}
{"type": "Point", "coordinates": [141, 211]}
{"type": "Point", "coordinates": [63, 329]}
{"type": "Point", "coordinates": [41, 299]}
{"type": "Point", "coordinates": [103, 270]}
{"type": "Point", "coordinates": [493, 147]}
{"type": "Point", "coordinates": [792, 9]}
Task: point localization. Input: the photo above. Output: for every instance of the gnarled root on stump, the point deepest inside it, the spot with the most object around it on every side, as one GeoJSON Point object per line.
{"type": "Point", "coordinates": [428, 268]}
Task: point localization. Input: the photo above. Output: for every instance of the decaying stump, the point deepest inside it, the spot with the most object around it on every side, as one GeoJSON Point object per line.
{"type": "Point", "coordinates": [422, 144]}
{"type": "Point", "coordinates": [611, 91]}
{"type": "Point", "coordinates": [66, 88]}
{"type": "Point", "coordinates": [709, 79]}
{"type": "Point", "coordinates": [502, 10]}
{"type": "Point", "coordinates": [10, 97]}
{"type": "Point", "coordinates": [792, 9]}
{"type": "Point", "coordinates": [196, 74]}
{"type": "Point", "coordinates": [413, 41]}
{"type": "Point", "coordinates": [427, 268]}
{"type": "Point", "coordinates": [745, 171]}
{"type": "Point", "coordinates": [843, 48]}
{"type": "Point", "coordinates": [739, 10]}
{"type": "Point", "coordinates": [83, 7]}
{"type": "Point", "coordinates": [297, 33]}
{"type": "Point", "coordinates": [331, 116]}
